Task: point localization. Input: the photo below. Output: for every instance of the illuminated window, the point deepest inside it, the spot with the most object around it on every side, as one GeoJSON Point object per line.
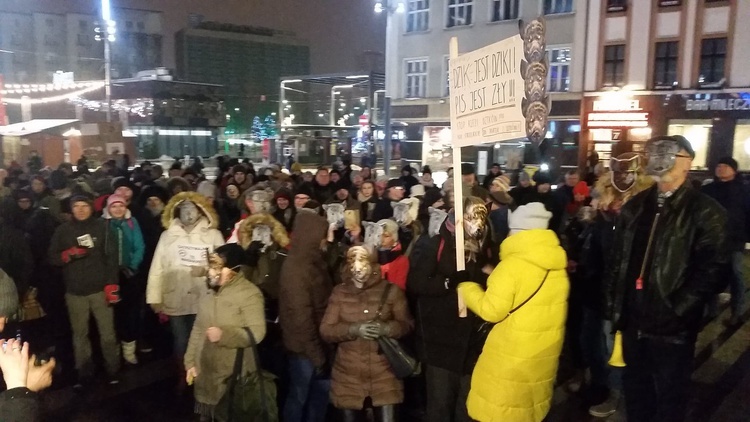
{"type": "Point", "coordinates": [614, 65]}
{"type": "Point", "coordinates": [559, 69]}
{"type": "Point", "coordinates": [698, 132]}
{"type": "Point", "coordinates": [447, 87]}
{"type": "Point", "coordinates": [459, 12]}
{"type": "Point", "coordinates": [665, 64]}
{"type": "Point", "coordinates": [504, 10]}
{"type": "Point", "coordinates": [741, 151]}
{"type": "Point", "coordinates": [416, 78]}
{"type": "Point", "coordinates": [418, 16]}
{"type": "Point", "coordinates": [617, 6]}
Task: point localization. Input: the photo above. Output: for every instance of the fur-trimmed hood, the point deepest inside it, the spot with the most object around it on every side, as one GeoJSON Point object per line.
{"type": "Point", "coordinates": [168, 216]}
{"type": "Point", "coordinates": [278, 232]}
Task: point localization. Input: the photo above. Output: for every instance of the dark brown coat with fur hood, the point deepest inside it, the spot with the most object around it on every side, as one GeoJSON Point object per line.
{"type": "Point", "coordinates": [359, 371]}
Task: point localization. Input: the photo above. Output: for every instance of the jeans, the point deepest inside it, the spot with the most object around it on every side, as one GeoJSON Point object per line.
{"type": "Point", "coordinates": [594, 347]}
{"type": "Point", "coordinates": [80, 309]}
{"type": "Point", "coordinates": [181, 327]}
{"type": "Point", "coordinates": [447, 392]}
{"type": "Point", "coordinates": [737, 285]}
{"type": "Point", "coordinates": [657, 377]}
{"type": "Point", "coordinates": [308, 396]}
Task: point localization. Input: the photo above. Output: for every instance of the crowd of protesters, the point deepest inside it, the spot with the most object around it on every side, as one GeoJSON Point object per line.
{"type": "Point", "coordinates": [303, 264]}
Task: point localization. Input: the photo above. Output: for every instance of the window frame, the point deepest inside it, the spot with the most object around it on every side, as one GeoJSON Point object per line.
{"type": "Point", "coordinates": [555, 5]}
{"type": "Point", "coordinates": [550, 64]}
{"type": "Point", "coordinates": [702, 55]}
{"type": "Point", "coordinates": [669, 3]}
{"type": "Point", "coordinates": [459, 5]}
{"type": "Point", "coordinates": [668, 59]}
{"type": "Point", "coordinates": [424, 74]}
{"type": "Point", "coordinates": [446, 89]}
{"type": "Point", "coordinates": [517, 4]}
{"type": "Point", "coordinates": [616, 6]}
{"type": "Point", "coordinates": [416, 13]}
{"type": "Point", "coordinates": [609, 62]}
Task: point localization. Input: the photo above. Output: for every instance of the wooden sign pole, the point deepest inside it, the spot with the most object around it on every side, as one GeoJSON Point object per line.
{"type": "Point", "coordinates": [458, 202]}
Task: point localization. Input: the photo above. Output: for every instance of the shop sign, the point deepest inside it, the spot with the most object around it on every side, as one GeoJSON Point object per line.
{"type": "Point", "coordinates": [617, 113]}
{"type": "Point", "coordinates": [719, 104]}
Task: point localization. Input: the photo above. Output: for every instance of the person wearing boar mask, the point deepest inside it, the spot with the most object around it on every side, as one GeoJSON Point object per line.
{"type": "Point", "coordinates": [353, 320]}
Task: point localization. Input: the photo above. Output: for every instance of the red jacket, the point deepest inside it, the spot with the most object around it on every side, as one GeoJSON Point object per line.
{"type": "Point", "coordinates": [394, 266]}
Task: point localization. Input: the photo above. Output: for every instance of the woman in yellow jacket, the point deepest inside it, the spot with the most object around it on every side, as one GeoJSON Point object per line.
{"type": "Point", "coordinates": [526, 297]}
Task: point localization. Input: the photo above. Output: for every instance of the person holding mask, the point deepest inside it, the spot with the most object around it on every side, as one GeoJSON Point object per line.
{"type": "Point", "coordinates": [394, 192]}
{"type": "Point", "coordinates": [234, 307]}
{"type": "Point", "coordinates": [394, 266]}
{"type": "Point", "coordinates": [176, 280]}
{"type": "Point", "coordinates": [230, 210]}
{"type": "Point", "coordinates": [132, 293]}
{"type": "Point", "coordinates": [352, 321]}
{"type": "Point", "coordinates": [669, 259]}
{"type": "Point", "coordinates": [526, 300]}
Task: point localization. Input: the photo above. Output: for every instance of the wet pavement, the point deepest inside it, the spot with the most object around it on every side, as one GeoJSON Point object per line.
{"type": "Point", "coordinates": [721, 388]}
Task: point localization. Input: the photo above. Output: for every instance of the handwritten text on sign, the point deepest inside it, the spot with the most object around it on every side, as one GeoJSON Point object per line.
{"type": "Point", "coordinates": [486, 89]}
{"type": "Point", "coordinates": [193, 255]}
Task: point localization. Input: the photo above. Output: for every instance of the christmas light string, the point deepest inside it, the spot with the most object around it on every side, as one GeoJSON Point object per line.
{"type": "Point", "coordinates": [63, 97]}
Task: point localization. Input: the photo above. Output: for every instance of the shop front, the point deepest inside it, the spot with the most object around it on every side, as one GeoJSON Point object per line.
{"type": "Point", "coordinates": [716, 124]}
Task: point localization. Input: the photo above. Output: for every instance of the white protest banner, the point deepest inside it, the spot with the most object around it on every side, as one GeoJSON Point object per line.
{"type": "Point", "coordinates": [193, 255]}
{"type": "Point", "coordinates": [486, 92]}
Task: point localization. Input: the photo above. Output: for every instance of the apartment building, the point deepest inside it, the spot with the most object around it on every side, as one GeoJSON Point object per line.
{"type": "Point", "coordinates": [668, 67]}
{"type": "Point", "coordinates": [417, 73]}
{"type": "Point", "coordinates": [34, 45]}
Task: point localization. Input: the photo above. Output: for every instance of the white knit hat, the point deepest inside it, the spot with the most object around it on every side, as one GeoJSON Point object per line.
{"type": "Point", "coordinates": [529, 217]}
{"type": "Point", "coordinates": [207, 189]}
{"type": "Point", "coordinates": [417, 190]}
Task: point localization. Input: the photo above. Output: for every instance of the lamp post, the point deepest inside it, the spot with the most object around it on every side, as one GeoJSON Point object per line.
{"type": "Point", "coordinates": [391, 7]}
{"type": "Point", "coordinates": [106, 33]}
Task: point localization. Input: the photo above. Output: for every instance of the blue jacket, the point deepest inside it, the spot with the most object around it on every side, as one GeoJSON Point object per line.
{"type": "Point", "coordinates": [130, 240]}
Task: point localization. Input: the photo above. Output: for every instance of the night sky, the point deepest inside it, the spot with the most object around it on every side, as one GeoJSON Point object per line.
{"type": "Point", "coordinates": [338, 31]}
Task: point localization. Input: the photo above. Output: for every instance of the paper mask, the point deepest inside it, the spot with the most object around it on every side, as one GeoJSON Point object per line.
{"type": "Point", "coordinates": [624, 170]}
{"type": "Point", "coordinates": [373, 232]}
{"type": "Point", "coordinates": [189, 213]}
{"type": "Point", "coordinates": [358, 262]}
{"type": "Point", "coordinates": [262, 233]}
{"type": "Point", "coordinates": [475, 220]}
{"type": "Point", "coordinates": [661, 155]}
{"type": "Point", "coordinates": [437, 216]}
{"type": "Point", "coordinates": [405, 211]}
{"type": "Point", "coordinates": [334, 214]}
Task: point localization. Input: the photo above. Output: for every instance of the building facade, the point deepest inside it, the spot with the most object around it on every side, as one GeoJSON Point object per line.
{"type": "Point", "coordinates": [417, 74]}
{"type": "Point", "coordinates": [34, 45]}
{"type": "Point", "coordinates": [248, 61]}
{"type": "Point", "coordinates": [668, 67]}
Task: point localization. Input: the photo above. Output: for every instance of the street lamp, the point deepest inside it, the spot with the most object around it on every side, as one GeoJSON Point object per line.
{"type": "Point", "coordinates": [107, 35]}
{"type": "Point", "coordinates": [391, 7]}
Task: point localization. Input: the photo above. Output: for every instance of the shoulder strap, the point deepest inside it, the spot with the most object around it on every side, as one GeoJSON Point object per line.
{"type": "Point", "coordinates": [383, 298]}
{"type": "Point", "coordinates": [237, 374]}
{"type": "Point", "coordinates": [440, 248]}
{"type": "Point", "coordinates": [532, 295]}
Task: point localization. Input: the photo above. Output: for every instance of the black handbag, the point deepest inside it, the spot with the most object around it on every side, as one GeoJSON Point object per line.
{"type": "Point", "coordinates": [250, 396]}
{"type": "Point", "coordinates": [403, 364]}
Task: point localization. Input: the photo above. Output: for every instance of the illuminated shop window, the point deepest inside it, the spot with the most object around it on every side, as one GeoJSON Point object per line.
{"type": "Point", "coordinates": [698, 132]}
{"type": "Point", "coordinates": [741, 151]}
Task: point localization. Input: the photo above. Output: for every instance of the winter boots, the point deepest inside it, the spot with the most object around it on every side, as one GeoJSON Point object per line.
{"type": "Point", "coordinates": [128, 352]}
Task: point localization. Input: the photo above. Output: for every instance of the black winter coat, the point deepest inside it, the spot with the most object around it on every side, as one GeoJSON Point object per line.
{"type": "Point", "coordinates": [444, 340]}
{"type": "Point", "coordinates": [89, 274]}
{"type": "Point", "coordinates": [686, 268]}
{"type": "Point", "coordinates": [735, 198]}
{"type": "Point", "coordinates": [19, 405]}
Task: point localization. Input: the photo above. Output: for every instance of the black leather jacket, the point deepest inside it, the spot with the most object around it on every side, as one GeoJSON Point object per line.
{"type": "Point", "coordinates": [688, 260]}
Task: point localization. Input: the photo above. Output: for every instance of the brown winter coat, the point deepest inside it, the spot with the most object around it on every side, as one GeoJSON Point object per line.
{"type": "Point", "coordinates": [359, 371]}
{"type": "Point", "coordinates": [237, 304]}
{"type": "Point", "coordinates": [304, 288]}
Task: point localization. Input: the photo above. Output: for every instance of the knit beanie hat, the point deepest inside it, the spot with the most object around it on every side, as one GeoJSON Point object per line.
{"type": "Point", "coordinates": [232, 254]}
{"type": "Point", "coordinates": [729, 161]}
{"type": "Point", "coordinates": [283, 193]}
{"type": "Point", "coordinates": [389, 226]}
{"type": "Point", "coordinates": [207, 189]}
{"type": "Point", "coordinates": [417, 190]}
{"type": "Point", "coordinates": [304, 189]}
{"type": "Point", "coordinates": [502, 182]}
{"type": "Point", "coordinates": [529, 217]}
{"type": "Point", "coordinates": [8, 296]}
{"type": "Point", "coordinates": [431, 196]}
{"type": "Point", "coordinates": [58, 180]}
{"type": "Point", "coordinates": [581, 188]}
{"type": "Point", "coordinates": [113, 199]}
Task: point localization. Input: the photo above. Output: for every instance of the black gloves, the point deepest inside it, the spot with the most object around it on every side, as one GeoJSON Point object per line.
{"type": "Point", "coordinates": [458, 277]}
{"type": "Point", "coordinates": [253, 253]}
{"type": "Point", "coordinates": [127, 272]}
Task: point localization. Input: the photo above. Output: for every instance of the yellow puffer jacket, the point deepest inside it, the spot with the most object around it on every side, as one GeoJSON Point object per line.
{"type": "Point", "coordinates": [514, 377]}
